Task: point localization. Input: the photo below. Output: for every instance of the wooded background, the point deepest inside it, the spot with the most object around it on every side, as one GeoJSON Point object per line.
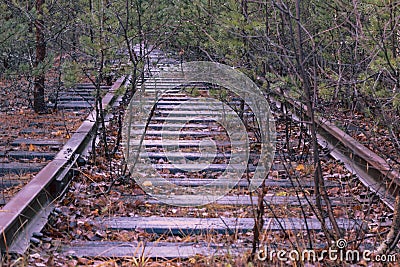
{"type": "Point", "coordinates": [345, 51]}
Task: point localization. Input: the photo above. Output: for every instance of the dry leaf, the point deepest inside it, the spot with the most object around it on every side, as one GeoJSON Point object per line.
{"type": "Point", "coordinates": [147, 183]}
{"type": "Point", "coordinates": [275, 174]}
{"type": "Point", "coordinates": [95, 212]}
{"type": "Point", "coordinates": [300, 167]}
{"type": "Point", "coordinates": [31, 147]}
{"type": "Point", "coordinates": [58, 133]}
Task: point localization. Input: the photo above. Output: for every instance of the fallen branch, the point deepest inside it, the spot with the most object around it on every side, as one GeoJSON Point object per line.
{"type": "Point", "coordinates": [393, 237]}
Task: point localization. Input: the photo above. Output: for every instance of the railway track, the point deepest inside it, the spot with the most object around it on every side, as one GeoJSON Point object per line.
{"type": "Point", "coordinates": [27, 211]}
{"type": "Point", "coordinates": [26, 152]}
{"type": "Point", "coordinates": [182, 149]}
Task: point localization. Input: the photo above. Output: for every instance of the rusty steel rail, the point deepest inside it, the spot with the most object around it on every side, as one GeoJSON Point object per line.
{"type": "Point", "coordinates": [371, 169]}
{"type": "Point", "coordinates": [27, 212]}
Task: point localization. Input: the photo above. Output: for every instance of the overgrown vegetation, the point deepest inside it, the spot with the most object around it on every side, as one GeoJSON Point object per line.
{"type": "Point", "coordinates": [330, 55]}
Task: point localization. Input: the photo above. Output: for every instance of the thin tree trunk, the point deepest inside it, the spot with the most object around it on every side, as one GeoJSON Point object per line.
{"type": "Point", "coordinates": [246, 50]}
{"type": "Point", "coordinates": [38, 94]}
{"type": "Point", "coordinates": [320, 192]}
{"type": "Point", "coordinates": [91, 29]}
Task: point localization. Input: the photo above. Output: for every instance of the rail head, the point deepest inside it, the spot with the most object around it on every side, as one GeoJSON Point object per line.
{"type": "Point", "coordinates": [376, 167]}
{"type": "Point", "coordinates": [369, 156]}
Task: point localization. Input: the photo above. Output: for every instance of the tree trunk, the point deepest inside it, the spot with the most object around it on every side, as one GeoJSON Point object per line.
{"type": "Point", "coordinates": [38, 95]}
{"type": "Point", "coordinates": [319, 188]}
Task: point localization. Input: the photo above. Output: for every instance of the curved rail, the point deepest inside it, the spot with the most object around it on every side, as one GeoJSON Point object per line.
{"type": "Point", "coordinates": [372, 170]}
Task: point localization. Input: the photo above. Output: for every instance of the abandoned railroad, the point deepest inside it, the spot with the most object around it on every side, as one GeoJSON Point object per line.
{"type": "Point", "coordinates": [199, 133]}
{"type": "Point", "coordinates": [97, 194]}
